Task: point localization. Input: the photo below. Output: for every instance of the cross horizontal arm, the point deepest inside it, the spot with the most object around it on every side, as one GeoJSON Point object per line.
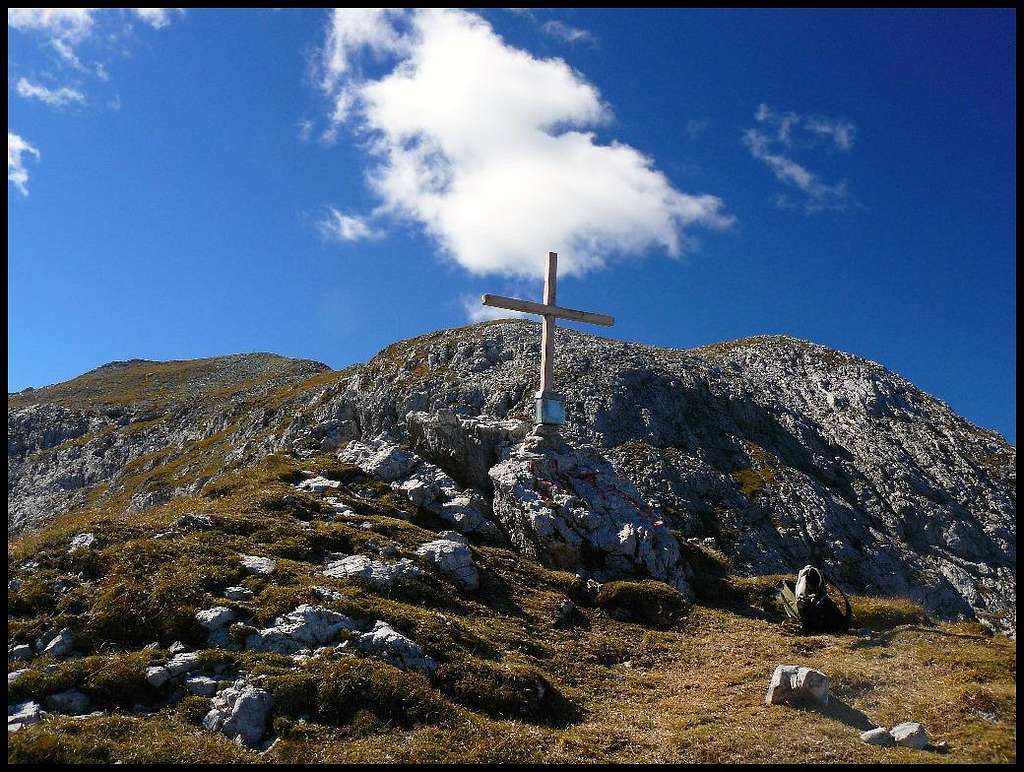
{"type": "Point", "coordinates": [514, 304]}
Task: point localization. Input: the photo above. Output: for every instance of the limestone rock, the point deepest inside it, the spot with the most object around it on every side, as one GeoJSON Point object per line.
{"type": "Point", "coordinates": [454, 559]}
{"type": "Point", "coordinates": [182, 663]}
{"type": "Point", "coordinates": [318, 484]}
{"type": "Point", "coordinates": [379, 573]}
{"type": "Point", "coordinates": [877, 736]}
{"type": "Point", "coordinates": [83, 541]}
{"type": "Point", "coordinates": [200, 685]}
{"type": "Point", "coordinates": [157, 675]}
{"type": "Point", "coordinates": [23, 714]}
{"type": "Point", "coordinates": [238, 593]}
{"type": "Point", "coordinates": [240, 712]}
{"type": "Point", "coordinates": [571, 511]}
{"type": "Point", "coordinates": [910, 734]}
{"type": "Point", "coordinates": [216, 617]}
{"type": "Point", "coordinates": [306, 626]}
{"type": "Point", "coordinates": [19, 652]}
{"type": "Point", "coordinates": [258, 565]}
{"type": "Point", "coordinates": [797, 685]}
{"type": "Point", "coordinates": [389, 644]}
{"type": "Point", "coordinates": [60, 645]}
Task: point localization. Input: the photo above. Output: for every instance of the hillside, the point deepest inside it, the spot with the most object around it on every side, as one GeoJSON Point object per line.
{"type": "Point", "coordinates": [382, 564]}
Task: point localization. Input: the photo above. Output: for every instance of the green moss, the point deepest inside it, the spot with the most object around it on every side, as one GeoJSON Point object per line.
{"type": "Point", "coordinates": [647, 602]}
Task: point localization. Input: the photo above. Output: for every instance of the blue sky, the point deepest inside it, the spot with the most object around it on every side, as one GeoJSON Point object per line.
{"type": "Point", "coordinates": [192, 184]}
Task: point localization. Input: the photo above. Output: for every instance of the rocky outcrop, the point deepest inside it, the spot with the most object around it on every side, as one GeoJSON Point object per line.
{"type": "Point", "coordinates": [571, 511]}
{"type": "Point", "coordinates": [240, 712]}
{"type": "Point", "coordinates": [779, 451]}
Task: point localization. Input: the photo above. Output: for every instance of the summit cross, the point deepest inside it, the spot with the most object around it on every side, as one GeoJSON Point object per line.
{"type": "Point", "coordinates": [550, 407]}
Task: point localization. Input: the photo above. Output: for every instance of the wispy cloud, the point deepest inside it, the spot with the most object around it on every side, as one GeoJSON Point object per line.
{"type": "Point", "coordinates": [475, 311]}
{"type": "Point", "coordinates": [66, 30]}
{"type": "Point", "coordinates": [338, 226]}
{"type": "Point", "coordinates": [60, 97]}
{"type": "Point", "coordinates": [492, 151]}
{"type": "Point", "coordinates": [569, 34]}
{"type": "Point", "coordinates": [16, 172]}
{"type": "Point", "coordinates": [780, 135]}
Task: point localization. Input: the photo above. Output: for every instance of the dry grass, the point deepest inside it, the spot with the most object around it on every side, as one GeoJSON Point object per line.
{"type": "Point", "coordinates": [512, 686]}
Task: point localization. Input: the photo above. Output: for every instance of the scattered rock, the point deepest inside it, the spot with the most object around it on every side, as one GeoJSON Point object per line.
{"type": "Point", "coordinates": [454, 559]}
{"type": "Point", "coordinates": [240, 712]}
{"type": "Point", "coordinates": [72, 701]}
{"type": "Point", "coordinates": [194, 522]}
{"type": "Point", "coordinates": [13, 585]}
{"type": "Point", "coordinates": [14, 675]}
{"type": "Point", "coordinates": [176, 648]}
{"type": "Point", "coordinates": [238, 593]}
{"type": "Point", "coordinates": [317, 484]}
{"type": "Point", "coordinates": [378, 573]}
{"type": "Point", "coordinates": [797, 685]}
{"type": "Point", "coordinates": [877, 736]}
{"type": "Point", "coordinates": [157, 675]}
{"type": "Point", "coordinates": [200, 685]}
{"type": "Point", "coordinates": [19, 651]}
{"type": "Point", "coordinates": [258, 565]}
{"type": "Point", "coordinates": [216, 617]}
{"type": "Point", "coordinates": [182, 663]}
{"type": "Point", "coordinates": [389, 644]}
{"type": "Point", "coordinates": [380, 458]}
{"type": "Point", "coordinates": [306, 625]}
{"type": "Point", "coordinates": [82, 541]}
{"type": "Point", "coordinates": [60, 645]}
{"type": "Point", "coordinates": [23, 714]}
{"type": "Point", "coordinates": [910, 734]}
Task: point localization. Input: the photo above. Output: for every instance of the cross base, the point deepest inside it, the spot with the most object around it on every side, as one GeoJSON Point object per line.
{"type": "Point", "coordinates": [550, 409]}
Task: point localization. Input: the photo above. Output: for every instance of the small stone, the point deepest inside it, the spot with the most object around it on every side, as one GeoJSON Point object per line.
{"type": "Point", "coordinates": [19, 651]}
{"type": "Point", "coordinates": [797, 685]}
{"type": "Point", "coordinates": [13, 585]}
{"type": "Point", "coordinates": [182, 663]}
{"type": "Point", "coordinates": [565, 613]}
{"type": "Point", "coordinates": [82, 541]}
{"type": "Point", "coordinates": [238, 594]}
{"type": "Point", "coordinates": [216, 617]}
{"type": "Point", "coordinates": [910, 734]}
{"type": "Point", "coordinates": [203, 686]}
{"type": "Point", "coordinates": [60, 645]}
{"type": "Point", "coordinates": [877, 736]}
{"type": "Point", "coordinates": [258, 565]}
{"type": "Point", "coordinates": [157, 676]}
{"type": "Point", "coordinates": [23, 714]}
{"type": "Point", "coordinates": [177, 647]}
{"type": "Point", "coordinates": [378, 573]}
{"type": "Point", "coordinates": [72, 701]}
{"type": "Point", "coordinates": [454, 559]}
{"type": "Point", "coordinates": [317, 484]}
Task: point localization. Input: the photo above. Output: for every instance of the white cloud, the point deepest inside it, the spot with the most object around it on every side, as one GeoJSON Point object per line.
{"type": "Point", "coordinates": [786, 132]}
{"type": "Point", "coordinates": [339, 226]}
{"type": "Point", "coordinates": [157, 18]}
{"type": "Point", "coordinates": [60, 97]}
{"type": "Point", "coordinates": [16, 172]}
{"type": "Point", "coordinates": [492, 150]}
{"type": "Point", "coordinates": [563, 31]}
{"type": "Point", "coordinates": [65, 30]}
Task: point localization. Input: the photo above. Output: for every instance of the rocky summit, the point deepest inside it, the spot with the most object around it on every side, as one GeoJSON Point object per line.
{"type": "Point", "coordinates": [775, 451]}
{"type": "Point", "coordinates": [253, 557]}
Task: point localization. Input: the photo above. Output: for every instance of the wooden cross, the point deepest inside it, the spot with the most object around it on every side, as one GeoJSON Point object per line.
{"type": "Point", "coordinates": [549, 406]}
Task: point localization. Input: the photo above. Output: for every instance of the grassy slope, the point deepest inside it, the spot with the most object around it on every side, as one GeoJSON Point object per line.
{"type": "Point", "coordinates": [512, 686]}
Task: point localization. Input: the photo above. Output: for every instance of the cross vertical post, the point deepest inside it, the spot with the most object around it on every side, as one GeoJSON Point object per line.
{"type": "Point", "coordinates": [547, 351]}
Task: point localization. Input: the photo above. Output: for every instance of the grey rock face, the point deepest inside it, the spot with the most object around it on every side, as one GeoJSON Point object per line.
{"type": "Point", "coordinates": [379, 573]}
{"type": "Point", "coordinates": [570, 510]}
{"type": "Point", "coordinates": [782, 451]}
{"type": "Point", "coordinates": [797, 686]}
{"type": "Point", "coordinates": [58, 646]}
{"type": "Point", "coordinates": [202, 686]}
{"type": "Point", "coordinates": [424, 483]}
{"type": "Point", "coordinates": [216, 617]}
{"type": "Point", "coordinates": [910, 734]}
{"type": "Point", "coordinates": [454, 559]}
{"type": "Point", "coordinates": [240, 712]}
{"type": "Point", "coordinates": [238, 593]}
{"type": "Point", "coordinates": [19, 652]}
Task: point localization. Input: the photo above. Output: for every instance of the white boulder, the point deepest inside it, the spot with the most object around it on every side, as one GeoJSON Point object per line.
{"type": "Point", "coordinates": [260, 566]}
{"type": "Point", "coordinates": [910, 734]}
{"type": "Point", "coordinates": [240, 712]}
{"type": "Point", "coordinates": [379, 573]}
{"type": "Point", "coordinates": [389, 644]}
{"type": "Point", "coordinates": [797, 686]}
{"type": "Point", "coordinates": [454, 559]}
